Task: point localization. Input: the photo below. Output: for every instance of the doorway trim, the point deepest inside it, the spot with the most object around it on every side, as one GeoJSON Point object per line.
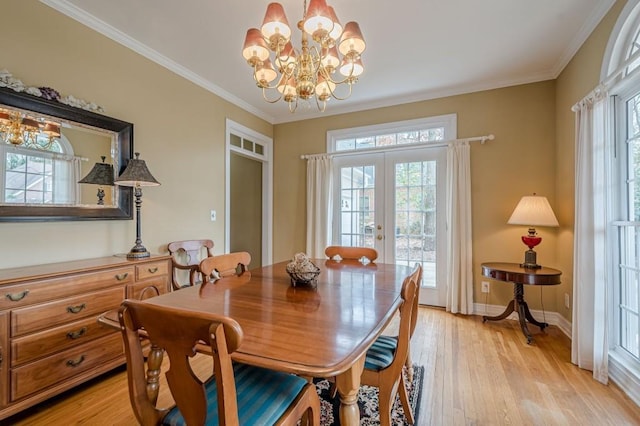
{"type": "Point", "coordinates": [251, 151]}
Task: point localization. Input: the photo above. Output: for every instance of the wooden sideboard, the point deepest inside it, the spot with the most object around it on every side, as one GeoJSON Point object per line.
{"type": "Point", "coordinates": [50, 340]}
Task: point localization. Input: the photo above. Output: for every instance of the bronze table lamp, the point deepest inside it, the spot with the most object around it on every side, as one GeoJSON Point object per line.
{"type": "Point", "coordinates": [137, 175]}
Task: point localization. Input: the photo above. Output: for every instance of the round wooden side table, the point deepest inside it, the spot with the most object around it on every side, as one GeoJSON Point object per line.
{"type": "Point", "coordinates": [516, 274]}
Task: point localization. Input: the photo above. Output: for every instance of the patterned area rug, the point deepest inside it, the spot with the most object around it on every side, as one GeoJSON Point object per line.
{"type": "Point", "coordinates": [368, 403]}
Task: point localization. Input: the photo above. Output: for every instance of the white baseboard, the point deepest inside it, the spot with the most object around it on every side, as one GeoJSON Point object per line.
{"type": "Point", "coordinates": [625, 377]}
{"type": "Point", "coordinates": [551, 318]}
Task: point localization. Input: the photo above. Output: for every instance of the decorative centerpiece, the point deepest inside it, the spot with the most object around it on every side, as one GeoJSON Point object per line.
{"type": "Point", "coordinates": [302, 270]}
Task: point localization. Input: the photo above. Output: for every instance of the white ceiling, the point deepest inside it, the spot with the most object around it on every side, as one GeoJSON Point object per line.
{"type": "Point", "coordinates": [416, 49]}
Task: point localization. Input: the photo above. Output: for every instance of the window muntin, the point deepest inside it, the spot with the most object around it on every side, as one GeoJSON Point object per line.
{"type": "Point", "coordinates": [400, 138]}
{"type": "Point", "coordinates": [37, 176]}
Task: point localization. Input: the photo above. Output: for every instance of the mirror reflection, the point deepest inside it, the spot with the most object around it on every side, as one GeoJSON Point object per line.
{"type": "Point", "coordinates": [50, 161]}
{"type": "Point", "coordinates": [46, 148]}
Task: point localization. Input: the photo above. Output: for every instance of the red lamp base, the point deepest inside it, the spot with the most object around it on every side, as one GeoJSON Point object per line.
{"type": "Point", "coordinates": [530, 261]}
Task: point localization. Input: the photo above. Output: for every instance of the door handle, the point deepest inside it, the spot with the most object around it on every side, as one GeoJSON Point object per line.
{"type": "Point", "coordinates": [380, 237]}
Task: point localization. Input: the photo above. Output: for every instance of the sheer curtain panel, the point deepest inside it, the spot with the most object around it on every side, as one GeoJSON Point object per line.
{"type": "Point", "coordinates": [319, 204]}
{"type": "Point", "coordinates": [459, 248]}
{"type": "Point", "coordinates": [589, 346]}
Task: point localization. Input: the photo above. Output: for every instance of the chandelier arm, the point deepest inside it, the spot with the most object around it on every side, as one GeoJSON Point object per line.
{"type": "Point", "coordinates": [321, 106]}
{"type": "Point", "coordinates": [333, 94]}
{"type": "Point", "coordinates": [271, 101]}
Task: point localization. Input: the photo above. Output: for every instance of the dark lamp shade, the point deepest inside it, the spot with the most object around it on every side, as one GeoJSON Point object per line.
{"type": "Point", "coordinates": [101, 174]}
{"type": "Point", "coordinates": [136, 174]}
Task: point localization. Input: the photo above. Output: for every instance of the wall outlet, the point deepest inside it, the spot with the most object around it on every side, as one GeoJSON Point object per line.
{"type": "Point", "coordinates": [213, 215]}
{"type": "Point", "coordinates": [485, 286]}
{"type": "Point", "coordinates": [566, 300]}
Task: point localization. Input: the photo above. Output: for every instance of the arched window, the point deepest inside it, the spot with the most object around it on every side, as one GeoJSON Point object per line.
{"type": "Point", "coordinates": [43, 175]}
{"type": "Point", "coordinates": [621, 74]}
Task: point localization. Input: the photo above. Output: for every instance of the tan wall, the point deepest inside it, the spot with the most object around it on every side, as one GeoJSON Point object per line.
{"type": "Point", "coordinates": [92, 146]}
{"type": "Point", "coordinates": [580, 76]}
{"type": "Point", "coordinates": [179, 129]}
{"type": "Point", "coordinates": [520, 161]}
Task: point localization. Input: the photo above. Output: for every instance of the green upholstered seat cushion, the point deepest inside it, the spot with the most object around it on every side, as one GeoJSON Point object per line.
{"type": "Point", "coordinates": [263, 396]}
{"type": "Point", "coordinates": [380, 354]}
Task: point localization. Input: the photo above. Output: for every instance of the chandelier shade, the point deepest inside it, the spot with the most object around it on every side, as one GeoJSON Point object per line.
{"type": "Point", "coordinates": [19, 129]}
{"type": "Point", "coordinates": [310, 71]}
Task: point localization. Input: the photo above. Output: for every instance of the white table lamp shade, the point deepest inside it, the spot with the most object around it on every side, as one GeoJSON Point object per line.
{"type": "Point", "coordinates": [533, 210]}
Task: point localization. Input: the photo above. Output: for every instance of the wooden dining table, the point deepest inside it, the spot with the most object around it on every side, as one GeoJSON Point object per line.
{"type": "Point", "coordinates": [318, 330]}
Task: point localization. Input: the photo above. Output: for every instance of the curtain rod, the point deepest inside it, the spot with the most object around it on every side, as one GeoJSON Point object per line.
{"type": "Point", "coordinates": [51, 154]}
{"type": "Point", "coordinates": [607, 81]}
{"type": "Point", "coordinates": [481, 139]}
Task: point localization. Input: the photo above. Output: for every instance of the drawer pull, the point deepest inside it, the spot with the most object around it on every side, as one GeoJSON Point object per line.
{"type": "Point", "coordinates": [76, 309]}
{"type": "Point", "coordinates": [121, 277]}
{"type": "Point", "coordinates": [77, 334]}
{"type": "Point", "coordinates": [17, 297]}
{"type": "Point", "coordinates": [75, 362]}
{"type": "Point", "coordinates": [153, 270]}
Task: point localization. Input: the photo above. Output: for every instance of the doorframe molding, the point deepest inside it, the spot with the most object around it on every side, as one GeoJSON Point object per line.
{"type": "Point", "coordinates": [266, 158]}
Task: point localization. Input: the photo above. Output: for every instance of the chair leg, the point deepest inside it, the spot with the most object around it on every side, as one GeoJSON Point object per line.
{"type": "Point", "coordinates": [404, 398]}
{"type": "Point", "coordinates": [385, 403]}
{"type": "Point", "coordinates": [333, 390]}
{"type": "Point", "coordinates": [409, 366]}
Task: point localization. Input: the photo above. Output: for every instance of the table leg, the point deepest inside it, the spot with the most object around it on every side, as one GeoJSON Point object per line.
{"type": "Point", "coordinates": [506, 313]}
{"type": "Point", "coordinates": [348, 384]}
{"type": "Point", "coordinates": [524, 314]}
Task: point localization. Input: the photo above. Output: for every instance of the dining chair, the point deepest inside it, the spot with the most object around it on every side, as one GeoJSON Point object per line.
{"type": "Point", "coordinates": [185, 258]}
{"type": "Point", "coordinates": [387, 356]}
{"type": "Point", "coordinates": [225, 264]}
{"type": "Point", "coordinates": [229, 396]}
{"type": "Point", "coordinates": [351, 253]}
{"type": "Point", "coordinates": [414, 322]}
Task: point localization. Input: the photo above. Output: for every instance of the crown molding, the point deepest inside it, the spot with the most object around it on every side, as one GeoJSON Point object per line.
{"type": "Point", "coordinates": [582, 36]}
{"type": "Point", "coordinates": [414, 97]}
{"type": "Point", "coordinates": [73, 12]}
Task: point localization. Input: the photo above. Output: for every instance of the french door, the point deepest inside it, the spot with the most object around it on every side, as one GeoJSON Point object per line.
{"type": "Point", "coordinates": [395, 202]}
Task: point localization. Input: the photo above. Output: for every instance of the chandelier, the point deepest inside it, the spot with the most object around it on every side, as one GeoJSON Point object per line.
{"type": "Point", "coordinates": [18, 129]}
{"type": "Point", "coordinates": [310, 71]}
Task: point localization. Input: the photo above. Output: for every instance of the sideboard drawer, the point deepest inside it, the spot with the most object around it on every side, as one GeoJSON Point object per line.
{"type": "Point", "coordinates": [152, 269]}
{"type": "Point", "coordinates": [44, 343]}
{"type": "Point", "coordinates": [46, 315]}
{"type": "Point", "coordinates": [15, 296]}
{"type": "Point", "coordinates": [41, 374]}
{"type": "Point", "coordinates": [148, 288]}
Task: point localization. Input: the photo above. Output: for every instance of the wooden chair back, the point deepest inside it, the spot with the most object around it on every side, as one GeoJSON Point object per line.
{"type": "Point", "coordinates": [389, 379]}
{"type": "Point", "coordinates": [351, 253]}
{"type": "Point", "coordinates": [225, 264]}
{"type": "Point", "coordinates": [185, 258]}
{"type": "Point", "coordinates": [178, 332]}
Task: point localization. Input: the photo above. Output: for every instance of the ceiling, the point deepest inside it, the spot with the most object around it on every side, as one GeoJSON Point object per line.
{"type": "Point", "coordinates": [416, 49]}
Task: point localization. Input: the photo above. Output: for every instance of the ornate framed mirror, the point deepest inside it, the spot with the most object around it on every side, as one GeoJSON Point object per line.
{"type": "Point", "coordinates": [40, 172]}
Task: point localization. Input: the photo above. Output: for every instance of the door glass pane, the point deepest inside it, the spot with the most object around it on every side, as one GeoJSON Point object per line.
{"type": "Point", "coordinates": [415, 217]}
{"type": "Point", "coordinates": [356, 206]}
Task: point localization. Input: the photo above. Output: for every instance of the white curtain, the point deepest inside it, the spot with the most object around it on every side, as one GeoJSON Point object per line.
{"type": "Point", "coordinates": [589, 345]}
{"type": "Point", "coordinates": [66, 174]}
{"type": "Point", "coordinates": [319, 204]}
{"type": "Point", "coordinates": [459, 255]}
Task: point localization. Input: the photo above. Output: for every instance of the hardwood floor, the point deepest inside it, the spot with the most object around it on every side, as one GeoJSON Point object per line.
{"type": "Point", "coordinates": [475, 374]}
